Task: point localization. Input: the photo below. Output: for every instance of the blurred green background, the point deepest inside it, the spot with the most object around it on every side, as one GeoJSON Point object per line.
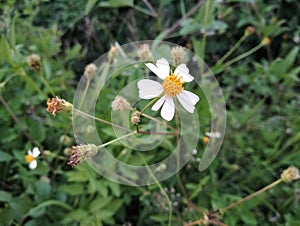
{"type": "Point", "coordinates": [262, 99]}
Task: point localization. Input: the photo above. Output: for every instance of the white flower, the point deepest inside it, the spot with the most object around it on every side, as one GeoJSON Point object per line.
{"type": "Point", "coordinates": [171, 87]}
{"type": "Point", "coordinates": [213, 134]}
{"type": "Point", "coordinates": [31, 157]}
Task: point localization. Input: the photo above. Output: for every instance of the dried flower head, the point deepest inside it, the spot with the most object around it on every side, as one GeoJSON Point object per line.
{"type": "Point", "coordinates": [90, 71]}
{"type": "Point", "coordinates": [290, 174]}
{"type": "Point", "coordinates": [66, 140]}
{"type": "Point", "coordinates": [177, 55]}
{"type": "Point", "coordinates": [120, 104]}
{"type": "Point", "coordinates": [58, 105]}
{"type": "Point", "coordinates": [249, 30]}
{"type": "Point", "coordinates": [266, 41]}
{"type": "Point", "coordinates": [82, 152]}
{"type": "Point", "coordinates": [144, 52]}
{"type": "Point", "coordinates": [112, 53]}
{"type": "Point", "coordinates": [34, 62]}
{"type": "Point", "coordinates": [135, 118]}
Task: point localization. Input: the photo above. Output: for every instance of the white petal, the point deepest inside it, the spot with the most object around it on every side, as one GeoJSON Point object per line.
{"type": "Point", "coordinates": [168, 109]}
{"type": "Point", "coordinates": [33, 164]}
{"type": "Point", "coordinates": [186, 102]}
{"type": "Point", "coordinates": [183, 72]}
{"type": "Point", "coordinates": [193, 97]}
{"type": "Point", "coordinates": [29, 152]}
{"type": "Point", "coordinates": [161, 69]}
{"type": "Point", "coordinates": [149, 89]}
{"type": "Point", "coordinates": [159, 103]}
{"type": "Point", "coordinates": [36, 152]}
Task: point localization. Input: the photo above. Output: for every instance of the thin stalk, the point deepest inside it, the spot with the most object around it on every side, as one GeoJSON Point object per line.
{"type": "Point", "coordinates": [32, 83]}
{"type": "Point", "coordinates": [251, 195]}
{"type": "Point", "coordinates": [101, 120]}
{"type": "Point", "coordinates": [117, 139]}
{"type": "Point", "coordinates": [147, 105]}
{"type": "Point", "coordinates": [46, 83]}
{"type": "Point", "coordinates": [203, 43]}
{"type": "Point", "coordinates": [236, 45]}
{"type": "Point", "coordinates": [249, 52]}
{"type": "Point", "coordinates": [160, 187]}
{"type": "Point", "coordinates": [15, 118]}
{"type": "Point", "coordinates": [87, 85]}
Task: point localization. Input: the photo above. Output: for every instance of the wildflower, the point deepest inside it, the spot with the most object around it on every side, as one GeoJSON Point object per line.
{"type": "Point", "coordinates": [249, 30]}
{"type": "Point", "coordinates": [144, 52]}
{"type": "Point", "coordinates": [112, 53]}
{"type": "Point", "coordinates": [213, 134]}
{"type": "Point", "coordinates": [90, 71]}
{"type": "Point", "coordinates": [135, 118]}
{"type": "Point", "coordinates": [205, 140]}
{"type": "Point", "coordinates": [120, 104]}
{"type": "Point", "coordinates": [177, 55]}
{"type": "Point", "coordinates": [171, 87]}
{"type": "Point", "coordinates": [82, 152]}
{"type": "Point", "coordinates": [290, 174]}
{"type": "Point", "coordinates": [266, 41]}
{"type": "Point", "coordinates": [58, 105]}
{"type": "Point", "coordinates": [34, 62]}
{"type": "Point", "coordinates": [31, 157]}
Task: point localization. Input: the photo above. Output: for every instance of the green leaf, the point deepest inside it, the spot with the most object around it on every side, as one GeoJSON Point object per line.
{"type": "Point", "coordinates": [5, 51]}
{"type": "Point", "coordinates": [37, 130]}
{"type": "Point", "coordinates": [104, 214]}
{"type": "Point", "coordinates": [72, 189]}
{"type": "Point", "coordinates": [5, 196]}
{"type": "Point", "coordinates": [89, 6]}
{"type": "Point", "coordinates": [5, 157]}
{"type": "Point", "coordinates": [115, 188]}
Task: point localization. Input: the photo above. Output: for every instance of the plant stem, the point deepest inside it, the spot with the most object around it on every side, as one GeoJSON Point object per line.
{"type": "Point", "coordinates": [160, 187]}
{"type": "Point", "coordinates": [147, 105]}
{"type": "Point", "coordinates": [84, 92]}
{"type": "Point", "coordinates": [15, 118]}
{"type": "Point", "coordinates": [46, 83]}
{"type": "Point", "coordinates": [117, 139]}
{"type": "Point", "coordinates": [251, 195]}
{"type": "Point", "coordinates": [101, 120]}
{"type": "Point", "coordinates": [236, 45]}
{"type": "Point", "coordinates": [249, 52]}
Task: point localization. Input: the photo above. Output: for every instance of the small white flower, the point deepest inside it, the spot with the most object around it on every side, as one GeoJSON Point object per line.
{"type": "Point", "coordinates": [31, 157]}
{"type": "Point", "coordinates": [213, 134]}
{"type": "Point", "coordinates": [171, 87]}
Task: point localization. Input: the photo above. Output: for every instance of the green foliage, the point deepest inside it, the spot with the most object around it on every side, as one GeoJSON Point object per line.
{"type": "Point", "coordinates": [262, 100]}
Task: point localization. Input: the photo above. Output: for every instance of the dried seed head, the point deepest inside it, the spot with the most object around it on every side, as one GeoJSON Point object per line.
{"type": "Point", "coordinates": [144, 53]}
{"type": "Point", "coordinates": [249, 30]}
{"type": "Point", "coordinates": [290, 174]}
{"type": "Point", "coordinates": [34, 62]}
{"type": "Point", "coordinates": [58, 105]}
{"type": "Point", "coordinates": [82, 152]}
{"type": "Point", "coordinates": [266, 41]}
{"type": "Point", "coordinates": [112, 53]}
{"type": "Point", "coordinates": [177, 55]}
{"type": "Point", "coordinates": [120, 104]}
{"type": "Point", "coordinates": [90, 71]}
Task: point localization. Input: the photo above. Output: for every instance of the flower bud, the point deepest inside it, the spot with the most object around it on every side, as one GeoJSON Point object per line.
{"type": "Point", "coordinates": [120, 104]}
{"type": "Point", "coordinates": [34, 62]}
{"type": "Point", "coordinates": [290, 174]}
{"type": "Point", "coordinates": [90, 71]}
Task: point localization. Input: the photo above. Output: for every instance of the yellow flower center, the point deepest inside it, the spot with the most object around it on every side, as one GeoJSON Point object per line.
{"type": "Point", "coordinates": [29, 158]}
{"type": "Point", "coordinates": [172, 85]}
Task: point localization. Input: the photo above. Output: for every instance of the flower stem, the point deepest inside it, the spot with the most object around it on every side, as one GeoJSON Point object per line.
{"type": "Point", "coordinates": [160, 187]}
{"type": "Point", "coordinates": [236, 45]}
{"type": "Point", "coordinates": [84, 92]}
{"type": "Point", "coordinates": [101, 120]}
{"type": "Point", "coordinates": [117, 139]}
{"type": "Point", "coordinates": [147, 105]}
{"type": "Point", "coordinates": [15, 118]}
{"type": "Point", "coordinates": [46, 83]}
{"type": "Point", "coordinates": [249, 52]}
{"type": "Point", "coordinates": [251, 195]}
